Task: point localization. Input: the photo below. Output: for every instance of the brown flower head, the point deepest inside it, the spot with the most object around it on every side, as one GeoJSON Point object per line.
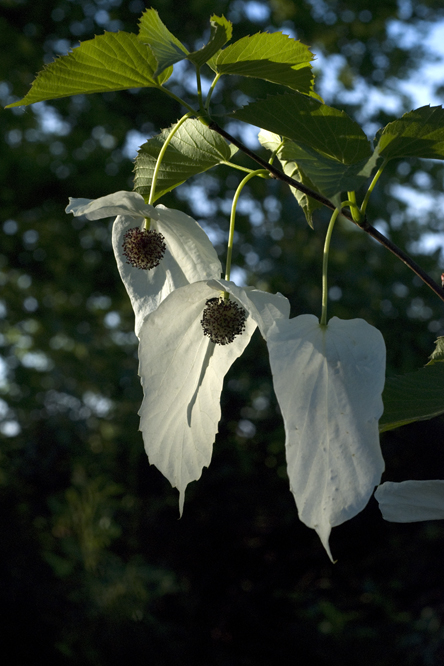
{"type": "Point", "coordinates": [143, 248]}
{"type": "Point", "coordinates": [222, 320]}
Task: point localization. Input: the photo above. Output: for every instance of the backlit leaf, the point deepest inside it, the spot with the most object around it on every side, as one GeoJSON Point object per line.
{"type": "Point", "coordinates": [113, 61]}
{"type": "Point", "coordinates": [274, 57]}
{"type": "Point", "coordinates": [193, 149]}
{"type": "Point", "coordinates": [437, 356]}
{"type": "Point", "coordinates": [165, 46]}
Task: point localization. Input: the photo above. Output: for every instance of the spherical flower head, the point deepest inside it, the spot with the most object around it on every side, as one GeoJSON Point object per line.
{"type": "Point", "coordinates": [143, 248]}
{"type": "Point", "coordinates": [222, 320]}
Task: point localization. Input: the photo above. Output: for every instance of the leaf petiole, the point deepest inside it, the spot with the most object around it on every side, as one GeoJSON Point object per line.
{"type": "Point", "coordinates": [162, 153]}
{"type": "Point", "coordinates": [372, 186]}
{"type": "Point", "coordinates": [179, 100]}
{"type": "Point", "coordinates": [210, 92]}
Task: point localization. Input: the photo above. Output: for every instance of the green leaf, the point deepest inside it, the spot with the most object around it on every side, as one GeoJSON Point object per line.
{"type": "Point", "coordinates": [221, 31]}
{"type": "Point", "coordinates": [327, 146]}
{"type": "Point", "coordinates": [193, 149]}
{"type": "Point", "coordinates": [419, 133]}
{"type": "Point", "coordinates": [437, 355]}
{"type": "Point", "coordinates": [273, 142]}
{"type": "Point", "coordinates": [416, 396]}
{"type": "Point", "coordinates": [165, 46]}
{"type": "Point", "coordinates": [329, 176]}
{"type": "Point", "coordinates": [308, 204]}
{"type": "Point", "coordinates": [269, 140]}
{"type": "Point", "coordinates": [273, 57]}
{"type": "Point", "coordinates": [311, 124]}
{"type": "Point", "coordinates": [113, 61]}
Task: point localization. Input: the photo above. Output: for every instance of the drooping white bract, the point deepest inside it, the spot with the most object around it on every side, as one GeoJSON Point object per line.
{"type": "Point", "coordinates": [190, 255]}
{"type": "Point", "coordinates": [182, 374]}
{"type": "Point", "coordinates": [411, 501]}
{"type": "Point", "coordinates": [328, 381]}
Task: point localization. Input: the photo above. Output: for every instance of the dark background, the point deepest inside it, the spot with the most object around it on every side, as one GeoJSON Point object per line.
{"type": "Point", "coordinates": [95, 568]}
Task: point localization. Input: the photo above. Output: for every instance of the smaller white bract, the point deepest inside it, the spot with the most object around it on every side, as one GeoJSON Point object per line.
{"type": "Point", "coordinates": [190, 255]}
{"type": "Point", "coordinates": [411, 501]}
{"type": "Point", "coordinates": [182, 374]}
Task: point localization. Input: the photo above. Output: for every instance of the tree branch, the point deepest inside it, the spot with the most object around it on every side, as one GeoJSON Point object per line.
{"type": "Point", "coordinates": [365, 225]}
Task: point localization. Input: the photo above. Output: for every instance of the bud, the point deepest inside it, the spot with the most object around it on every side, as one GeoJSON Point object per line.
{"type": "Point", "coordinates": [143, 248]}
{"type": "Point", "coordinates": [222, 320]}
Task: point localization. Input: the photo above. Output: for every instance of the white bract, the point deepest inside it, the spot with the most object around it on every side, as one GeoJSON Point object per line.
{"type": "Point", "coordinates": [182, 374]}
{"type": "Point", "coordinates": [190, 255]}
{"type": "Point", "coordinates": [411, 501]}
{"type": "Point", "coordinates": [328, 381]}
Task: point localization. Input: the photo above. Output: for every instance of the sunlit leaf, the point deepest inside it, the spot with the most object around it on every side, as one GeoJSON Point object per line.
{"type": "Point", "coordinates": [274, 57]}
{"type": "Point", "coordinates": [419, 133]}
{"type": "Point", "coordinates": [328, 381]}
{"type": "Point", "coordinates": [410, 501]}
{"type": "Point", "coordinates": [193, 149]}
{"type": "Point", "coordinates": [113, 61]}
{"type": "Point", "coordinates": [274, 143]}
{"type": "Point", "coordinates": [165, 46]}
{"type": "Point", "coordinates": [437, 356]}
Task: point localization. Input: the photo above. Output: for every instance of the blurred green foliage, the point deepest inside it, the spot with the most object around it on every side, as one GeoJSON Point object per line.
{"type": "Point", "coordinates": [96, 568]}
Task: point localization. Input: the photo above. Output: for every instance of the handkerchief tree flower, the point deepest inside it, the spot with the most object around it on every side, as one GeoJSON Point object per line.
{"type": "Point", "coordinates": [191, 323]}
{"type": "Point", "coordinates": [189, 255]}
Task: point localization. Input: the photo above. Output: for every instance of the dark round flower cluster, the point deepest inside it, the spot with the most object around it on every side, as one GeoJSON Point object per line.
{"type": "Point", "coordinates": [222, 320]}
{"type": "Point", "coordinates": [143, 248]}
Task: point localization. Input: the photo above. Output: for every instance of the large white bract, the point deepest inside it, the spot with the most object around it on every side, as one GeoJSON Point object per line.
{"type": "Point", "coordinates": [182, 374]}
{"type": "Point", "coordinates": [190, 255]}
{"type": "Point", "coordinates": [411, 501]}
{"type": "Point", "coordinates": [328, 381]}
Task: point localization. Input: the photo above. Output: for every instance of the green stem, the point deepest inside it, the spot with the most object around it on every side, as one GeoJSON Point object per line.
{"type": "Point", "coordinates": [354, 208]}
{"type": "Point", "coordinates": [210, 92]}
{"type": "Point", "coordinates": [162, 153]}
{"type": "Point", "coordinates": [325, 266]}
{"type": "Point", "coordinates": [238, 167]}
{"type": "Point", "coordinates": [372, 186]}
{"type": "Point", "coordinates": [199, 90]}
{"type": "Point", "coordinates": [240, 187]}
{"type": "Point", "coordinates": [180, 100]}
{"type": "Point", "coordinates": [275, 152]}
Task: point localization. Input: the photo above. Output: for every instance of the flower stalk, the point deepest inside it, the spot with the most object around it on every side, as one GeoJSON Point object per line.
{"type": "Point", "coordinates": [323, 321]}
